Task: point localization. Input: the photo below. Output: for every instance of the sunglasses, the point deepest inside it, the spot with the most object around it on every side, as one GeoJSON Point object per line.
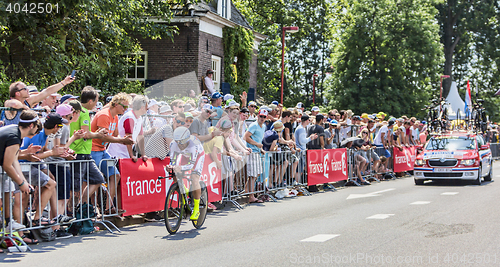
{"type": "Point", "coordinates": [182, 142]}
{"type": "Point", "coordinates": [189, 121]}
{"type": "Point", "coordinates": [208, 111]}
{"type": "Point", "coordinates": [24, 88]}
{"type": "Point", "coordinates": [252, 106]}
{"type": "Point", "coordinates": [125, 107]}
{"type": "Point", "coordinates": [262, 116]}
{"type": "Point", "coordinates": [180, 122]}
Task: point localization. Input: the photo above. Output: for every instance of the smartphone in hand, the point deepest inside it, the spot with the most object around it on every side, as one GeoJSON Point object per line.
{"type": "Point", "coordinates": [73, 74]}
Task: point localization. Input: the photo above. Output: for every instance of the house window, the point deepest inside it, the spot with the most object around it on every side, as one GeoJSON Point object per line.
{"type": "Point", "coordinates": [224, 8]}
{"type": "Point", "coordinates": [138, 69]}
{"type": "Point", "coordinates": [217, 70]}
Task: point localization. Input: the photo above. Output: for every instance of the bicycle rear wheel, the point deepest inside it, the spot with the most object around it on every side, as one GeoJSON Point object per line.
{"type": "Point", "coordinates": [174, 209]}
{"type": "Point", "coordinates": [203, 206]}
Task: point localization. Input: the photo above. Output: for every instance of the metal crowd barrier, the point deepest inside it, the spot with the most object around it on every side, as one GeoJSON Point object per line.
{"type": "Point", "coordinates": [363, 166]}
{"type": "Point", "coordinates": [495, 150]}
{"type": "Point", "coordinates": [62, 191]}
{"type": "Point", "coordinates": [275, 171]}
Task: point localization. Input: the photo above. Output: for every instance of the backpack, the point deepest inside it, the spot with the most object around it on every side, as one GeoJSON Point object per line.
{"type": "Point", "coordinates": [44, 234]}
{"type": "Point", "coordinates": [83, 227]}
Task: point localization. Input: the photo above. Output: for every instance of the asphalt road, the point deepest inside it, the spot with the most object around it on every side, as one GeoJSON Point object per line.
{"type": "Point", "coordinates": [391, 223]}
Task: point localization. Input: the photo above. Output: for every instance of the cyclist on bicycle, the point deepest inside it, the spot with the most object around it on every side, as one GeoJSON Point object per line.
{"type": "Point", "coordinates": [187, 154]}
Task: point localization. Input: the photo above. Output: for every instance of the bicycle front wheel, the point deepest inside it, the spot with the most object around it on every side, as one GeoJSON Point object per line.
{"type": "Point", "coordinates": [203, 206]}
{"type": "Point", "coordinates": [174, 209]}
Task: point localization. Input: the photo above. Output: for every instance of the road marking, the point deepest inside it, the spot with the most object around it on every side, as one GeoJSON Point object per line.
{"type": "Point", "coordinates": [319, 238]}
{"type": "Point", "coordinates": [374, 194]}
{"type": "Point", "coordinates": [449, 193]}
{"type": "Point", "coordinates": [380, 216]}
{"type": "Point", "coordinates": [420, 203]}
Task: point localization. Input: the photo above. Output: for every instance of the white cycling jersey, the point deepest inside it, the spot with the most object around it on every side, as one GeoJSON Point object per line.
{"type": "Point", "coordinates": [193, 156]}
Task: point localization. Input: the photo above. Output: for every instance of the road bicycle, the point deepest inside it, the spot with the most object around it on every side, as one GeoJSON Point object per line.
{"type": "Point", "coordinates": [179, 202]}
{"type": "Point", "coordinates": [437, 116]}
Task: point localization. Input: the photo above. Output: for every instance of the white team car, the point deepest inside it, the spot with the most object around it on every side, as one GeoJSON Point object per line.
{"type": "Point", "coordinates": [457, 155]}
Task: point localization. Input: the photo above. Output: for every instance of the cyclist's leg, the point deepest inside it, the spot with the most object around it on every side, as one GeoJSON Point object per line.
{"type": "Point", "coordinates": [195, 185]}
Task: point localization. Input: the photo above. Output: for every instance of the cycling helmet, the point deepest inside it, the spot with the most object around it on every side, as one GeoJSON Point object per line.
{"type": "Point", "coordinates": [181, 135]}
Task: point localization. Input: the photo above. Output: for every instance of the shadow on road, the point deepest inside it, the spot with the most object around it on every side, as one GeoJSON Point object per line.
{"type": "Point", "coordinates": [454, 183]}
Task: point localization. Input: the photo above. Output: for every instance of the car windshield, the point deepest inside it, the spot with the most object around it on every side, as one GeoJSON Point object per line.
{"type": "Point", "coordinates": [451, 143]}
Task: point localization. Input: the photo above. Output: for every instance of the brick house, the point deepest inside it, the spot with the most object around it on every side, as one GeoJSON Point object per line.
{"type": "Point", "coordinates": [197, 47]}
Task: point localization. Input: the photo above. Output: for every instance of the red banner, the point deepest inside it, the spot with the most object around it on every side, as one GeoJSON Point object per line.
{"type": "Point", "coordinates": [326, 165]}
{"type": "Point", "coordinates": [141, 191]}
{"type": "Point", "coordinates": [211, 175]}
{"type": "Point", "coordinates": [404, 159]}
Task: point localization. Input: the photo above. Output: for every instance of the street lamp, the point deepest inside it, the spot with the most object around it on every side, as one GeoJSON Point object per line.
{"type": "Point", "coordinates": [314, 88]}
{"type": "Point", "coordinates": [290, 29]}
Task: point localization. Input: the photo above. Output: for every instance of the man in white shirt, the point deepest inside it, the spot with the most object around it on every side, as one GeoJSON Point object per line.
{"type": "Point", "coordinates": [209, 82]}
{"type": "Point", "coordinates": [130, 125]}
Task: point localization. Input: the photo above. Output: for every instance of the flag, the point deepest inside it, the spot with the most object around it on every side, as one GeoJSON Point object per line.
{"type": "Point", "coordinates": [468, 101]}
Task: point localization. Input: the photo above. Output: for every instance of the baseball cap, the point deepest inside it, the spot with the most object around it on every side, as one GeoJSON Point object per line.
{"type": "Point", "coordinates": [304, 118]}
{"type": "Point", "coordinates": [244, 110]}
{"type": "Point", "coordinates": [334, 122]}
{"type": "Point", "coordinates": [228, 96]}
{"type": "Point", "coordinates": [152, 102]}
{"type": "Point", "coordinates": [32, 89]}
{"type": "Point", "coordinates": [358, 118]}
{"type": "Point", "coordinates": [299, 105]}
{"type": "Point", "coordinates": [188, 115]}
{"type": "Point", "coordinates": [66, 97]}
{"type": "Point", "coordinates": [232, 103]}
{"type": "Point", "coordinates": [216, 95]}
{"type": "Point", "coordinates": [252, 103]}
{"type": "Point", "coordinates": [165, 108]}
{"type": "Point", "coordinates": [275, 103]}
{"type": "Point", "coordinates": [315, 108]}
{"type": "Point", "coordinates": [208, 107]}
{"type": "Point", "coordinates": [225, 124]}
{"type": "Point", "coordinates": [391, 123]}
{"type": "Point", "coordinates": [54, 119]}
{"type": "Point", "coordinates": [265, 108]}
{"type": "Point", "coordinates": [209, 71]}
{"type": "Point", "coordinates": [273, 107]}
{"type": "Point", "coordinates": [382, 113]}
{"type": "Point", "coordinates": [263, 112]}
{"type": "Point", "coordinates": [278, 126]}
{"type": "Point", "coordinates": [365, 116]}
{"type": "Point", "coordinates": [64, 109]}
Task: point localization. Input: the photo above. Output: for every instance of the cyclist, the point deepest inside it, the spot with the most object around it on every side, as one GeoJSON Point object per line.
{"type": "Point", "coordinates": [186, 154]}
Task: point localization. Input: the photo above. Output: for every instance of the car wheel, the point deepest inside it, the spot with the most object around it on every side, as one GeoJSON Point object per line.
{"type": "Point", "coordinates": [418, 181]}
{"type": "Point", "coordinates": [488, 177]}
{"type": "Point", "coordinates": [478, 180]}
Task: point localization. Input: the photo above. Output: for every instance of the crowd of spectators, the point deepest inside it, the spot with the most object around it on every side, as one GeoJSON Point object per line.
{"type": "Point", "coordinates": [133, 126]}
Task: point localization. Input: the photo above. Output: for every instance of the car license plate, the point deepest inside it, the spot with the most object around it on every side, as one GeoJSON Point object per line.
{"type": "Point", "coordinates": [442, 170]}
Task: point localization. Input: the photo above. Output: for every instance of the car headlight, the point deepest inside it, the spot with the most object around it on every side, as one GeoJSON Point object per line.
{"type": "Point", "coordinates": [419, 162]}
{"type": "Point", "coordinates": [468, 162]}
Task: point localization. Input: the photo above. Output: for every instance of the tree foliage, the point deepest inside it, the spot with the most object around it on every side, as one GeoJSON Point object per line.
{"type": "Point", "coordinates": [471, 37]}
{"type": "Point", "coordinates": [306, 50]}
{"type": "Point", "coordinates": [387, 56]}
{"type": "Point", "coordinates": [238, 42]}
{"type": "Point", "coordinates": [89, 36]}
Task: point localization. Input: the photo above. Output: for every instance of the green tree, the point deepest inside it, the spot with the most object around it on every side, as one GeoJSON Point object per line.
{"type": "Point", "coordinates": [90, 36]}
{"type": "Point", "coordinates": [470, 36]}
{"type": "Point", "coordinates": [386, 57]}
